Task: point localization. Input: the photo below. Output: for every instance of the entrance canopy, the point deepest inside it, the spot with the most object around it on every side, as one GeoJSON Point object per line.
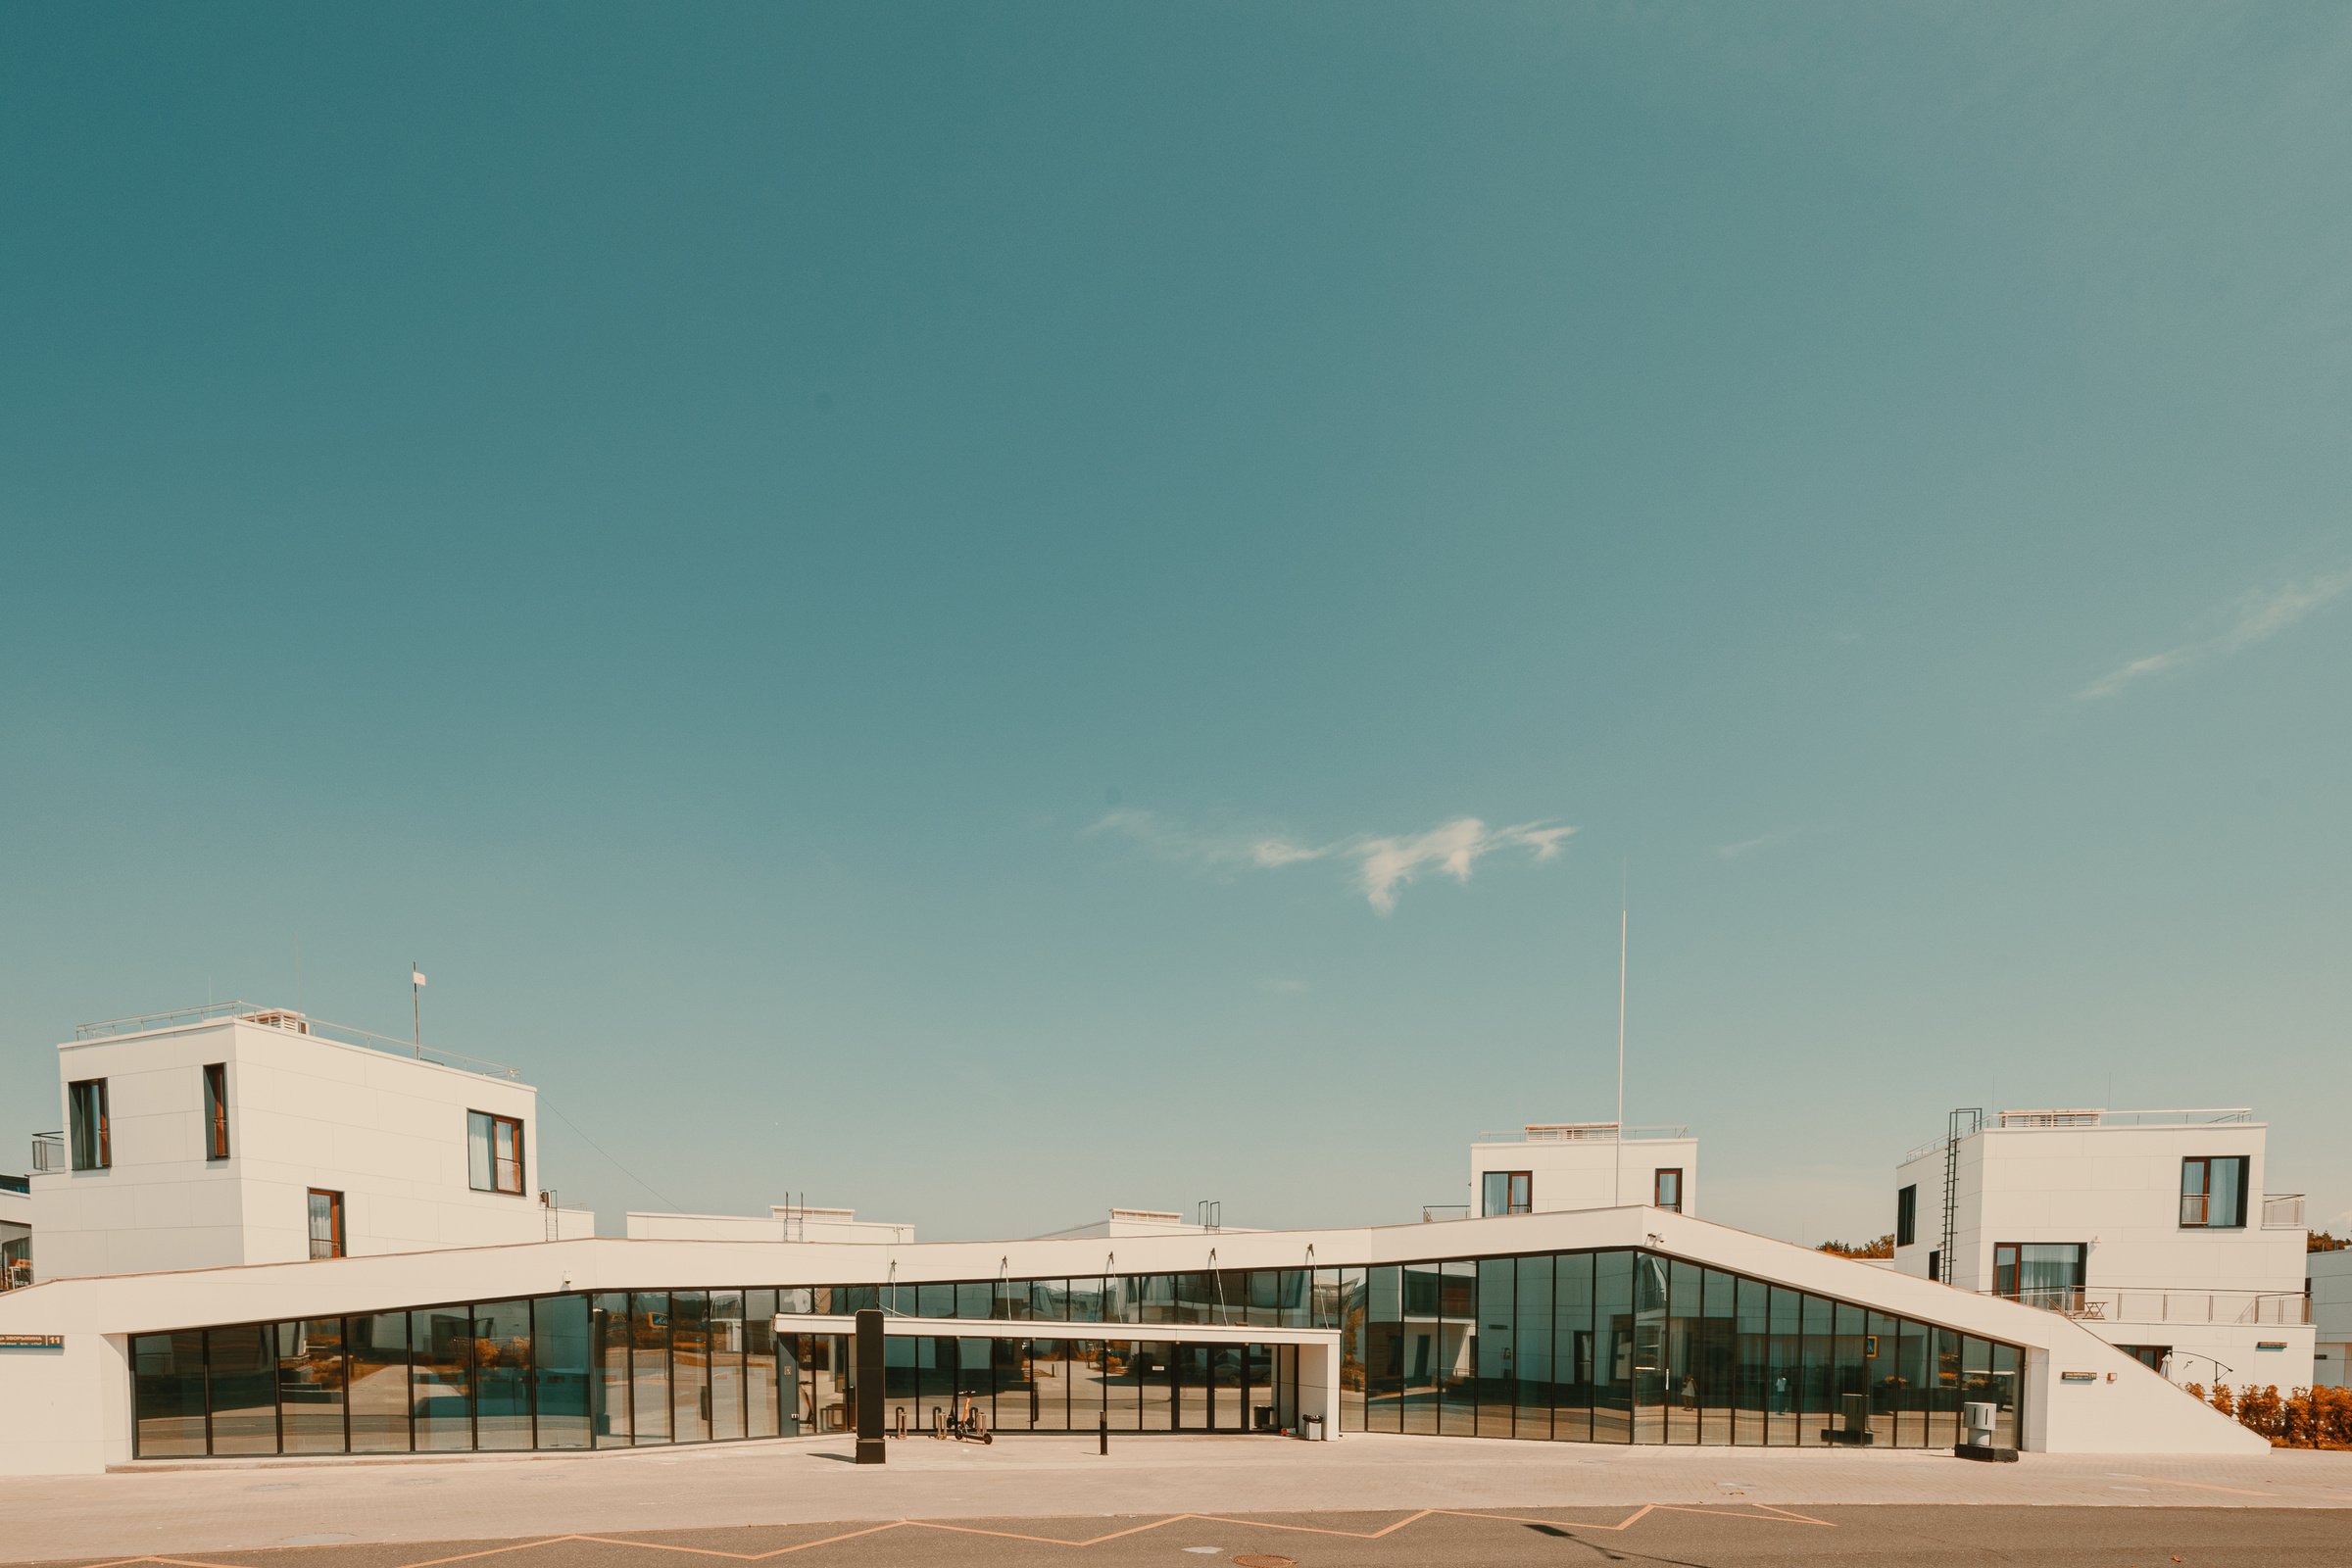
{"type": "Point", "coordinates": [964, 1327]}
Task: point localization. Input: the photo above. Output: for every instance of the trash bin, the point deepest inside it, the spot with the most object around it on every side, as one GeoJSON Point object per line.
{"type": "Point", "coordinates": [1312, 1428]}
{"type": "Point", "coordinates": [1975, 1417]}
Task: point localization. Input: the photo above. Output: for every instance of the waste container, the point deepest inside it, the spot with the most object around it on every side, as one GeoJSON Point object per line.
{"type": "Point", "coordinates": [1975, 1417]}
{"type": "Point", "coordinates": [1312, 1428]}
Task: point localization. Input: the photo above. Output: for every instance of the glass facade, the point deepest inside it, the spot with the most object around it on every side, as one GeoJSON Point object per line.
{"type": "Point", "coordinates": [1615, 1346]}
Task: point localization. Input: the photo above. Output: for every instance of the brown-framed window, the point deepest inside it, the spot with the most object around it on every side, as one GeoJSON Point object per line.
{"type": "Point", "coordinates": [215, 1110]}
{"type": "Point", "coordinates": [326, 1223]}
{"type": "Point", "coordinates": [493, 1153]}
{"type": "Point", "coordinates": [1507, 1192]}
{"type": "Point", "coordinates": [2046, 1274]}
{"type": "Point", "coordinates": [2213, 1191]}
{"type": "Point", "coordinates": [1666, 1190]}
{"type": "Point", "coordinates": [88, 1129]}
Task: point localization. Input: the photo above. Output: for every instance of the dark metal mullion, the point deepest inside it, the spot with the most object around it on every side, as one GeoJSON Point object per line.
{"type": "Point", "coordinates": [474, 1391]}
{"type": "Point", "coordinates": [530, 1376]}
{"type": "Point", "coordinates": [204, 1378]}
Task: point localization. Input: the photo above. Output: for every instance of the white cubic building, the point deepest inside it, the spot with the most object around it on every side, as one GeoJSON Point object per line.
{"type": "Point", "coordinates": [2328, 1277]}
{"type": "Point", "coordinates": [1550, 1167]}
{"type": "Point", "coordinates": [236, 1134]}
{"type": "Point", "coordinates": [2151, 1229]}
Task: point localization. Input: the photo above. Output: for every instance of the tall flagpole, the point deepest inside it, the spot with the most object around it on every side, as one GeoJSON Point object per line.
{"type": "Point", "coordinates": [417, 1012]}
{"type": "Point", "coordinates": [1617, 1181]}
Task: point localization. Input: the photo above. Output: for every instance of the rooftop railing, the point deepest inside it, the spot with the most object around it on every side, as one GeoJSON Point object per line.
{"type": "Point", "coordinates": [293, 1023]}
{"type": "Point", "coordinates": [48, 1152]}
{"type": "Point", "coordinates": [1578, 1132]}
{"type": "Point", "coordinates": [2032, 1120]}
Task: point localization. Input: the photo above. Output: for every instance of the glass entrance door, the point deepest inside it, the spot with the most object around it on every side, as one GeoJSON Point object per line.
{"type": "Point", "coordinates": [1218, 1385]}
{"type": "Point", "coordinates": [1196, 1388]}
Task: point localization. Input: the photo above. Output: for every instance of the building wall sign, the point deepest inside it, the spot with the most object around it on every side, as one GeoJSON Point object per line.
{"type": "Point", "coordinates": [32, 1341]}
{"type": "Point", "coordinates": [2077, 1377]}
{"type": "Point", "coordinates": [2271, 1345]}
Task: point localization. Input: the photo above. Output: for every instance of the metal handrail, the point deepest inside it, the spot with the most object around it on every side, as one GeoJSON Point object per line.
{"type": "Point", "coordinates": [1597, 1132]}
{"type": "Point", "coordinates": [48, 1152]}
{"type": "Point", "coordinates": [2124, 1304]}
{"type": "Point", "coordinates": [141, 1023]}
{"type": "Point", "coordinates": [2062, 1120]}
{"type": "Point", "coordinates": [293, 1023]}
{"type": "Point", "coordinates": [2281, 1212]}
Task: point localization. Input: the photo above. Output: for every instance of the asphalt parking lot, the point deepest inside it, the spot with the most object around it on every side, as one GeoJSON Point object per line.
{"type": "Point", "coordinates": [1688, 1536]}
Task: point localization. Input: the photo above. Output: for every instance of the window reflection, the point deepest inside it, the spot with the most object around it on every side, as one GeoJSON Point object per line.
{"type": "Point", "coordinates": [1613, 1345]}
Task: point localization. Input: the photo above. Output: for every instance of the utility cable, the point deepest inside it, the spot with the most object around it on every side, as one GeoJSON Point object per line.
{"type": "Point", "coordinates": [673, 1205]}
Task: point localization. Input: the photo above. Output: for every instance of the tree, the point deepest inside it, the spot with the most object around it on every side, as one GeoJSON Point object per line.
{"type": "Point", "coordinates": [1883, 1246]}
{"type": "Point", "coordinates": [2321, 1241]}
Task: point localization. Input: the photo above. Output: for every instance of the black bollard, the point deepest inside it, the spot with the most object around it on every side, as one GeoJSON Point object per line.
{"type": "Point", "coordinates": [869, 1388]}
{"type": "Point", "coordinates": [1102, 1434]}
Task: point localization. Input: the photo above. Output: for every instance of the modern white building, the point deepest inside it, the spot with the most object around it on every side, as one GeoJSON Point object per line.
{"type": "Point", "coordinates": [2151, 1229]}
{"type": "Point", "coordinates": [236, 1134]}
{"type": "Point", "coordinates": [1552, 1167]}
{"type": "Point", "coordinates": [1629, 1323]}
{"type": "Point", "coordinates": [2328, 1276]}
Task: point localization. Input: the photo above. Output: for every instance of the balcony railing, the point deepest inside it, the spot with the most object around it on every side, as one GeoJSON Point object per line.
{"type": "Point", "coordinates": [2118, 1305]}
{"type": "Point", "coordinates": [293, 1023]}
{"type": "Point", "coordinates": [48, 1152]}
{"type": "Point", "coordinates": [2282, 1211]}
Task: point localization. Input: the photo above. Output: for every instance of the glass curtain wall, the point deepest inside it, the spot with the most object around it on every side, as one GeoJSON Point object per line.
{"type": "Point", "coordinates": [1615, 1346]}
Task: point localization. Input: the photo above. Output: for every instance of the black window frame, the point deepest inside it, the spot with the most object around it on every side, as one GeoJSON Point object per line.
{"type": "Point", "coordinates": [2203, 1197]}
{"type": "Point", "coordinates": [215, 1110]}
{"type": "Point", "coordinates": [80, 1109]}
{"type": "Point", "coordinates": [1906, 1216]}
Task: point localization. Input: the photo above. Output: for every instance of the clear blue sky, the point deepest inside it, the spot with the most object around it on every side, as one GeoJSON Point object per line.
{"type": "Point", "coordinates": [902, 603]}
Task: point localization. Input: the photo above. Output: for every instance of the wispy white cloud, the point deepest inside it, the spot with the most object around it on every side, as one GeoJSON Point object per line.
{"type": "Point", "coordinates": [2250, 618]}
{"type": "Point", "coordinates": [1384, 864]}
{"type": "Point", "coordinates": [1762, 840]}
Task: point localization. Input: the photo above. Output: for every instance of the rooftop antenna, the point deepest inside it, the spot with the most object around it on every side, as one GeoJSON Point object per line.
{"type": "Point", "coordinates": [1617, 1166]}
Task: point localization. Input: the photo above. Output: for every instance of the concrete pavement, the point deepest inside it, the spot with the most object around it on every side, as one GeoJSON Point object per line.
{"type": "Point", "coordinates": [246, 1505]}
